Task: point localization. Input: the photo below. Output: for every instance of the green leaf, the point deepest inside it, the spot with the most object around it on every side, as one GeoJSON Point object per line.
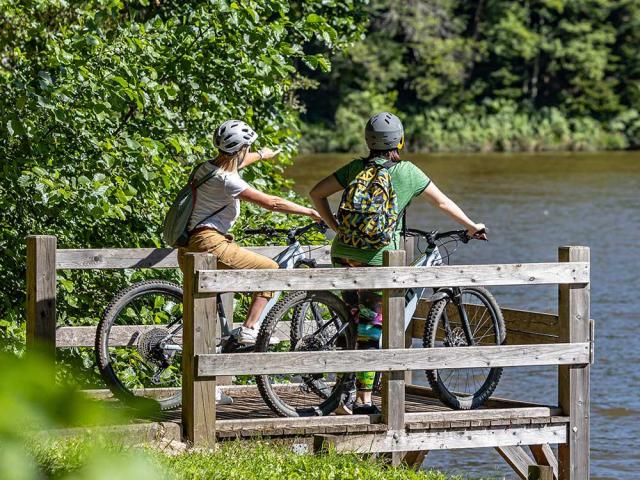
{"type": "Point", "coordinates": [315, 18]}
{"type": "Point", "coordinates": [120, 81]}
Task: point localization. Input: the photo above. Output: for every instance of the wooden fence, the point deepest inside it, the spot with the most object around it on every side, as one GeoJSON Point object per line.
{"type": "Point", "coordinates": [572, 353]}
{"type": "Point", "coordinates": [565, 339]}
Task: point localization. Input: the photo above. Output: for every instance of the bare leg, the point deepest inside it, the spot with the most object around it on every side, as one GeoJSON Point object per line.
{"type": "Point", "coordinates": [255, 310]}
{"type": "Point", "coordinates": [363, 397]}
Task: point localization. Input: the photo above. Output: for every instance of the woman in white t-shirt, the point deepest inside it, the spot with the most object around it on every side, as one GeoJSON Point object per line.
{"type": "Point", "coordinates": [217, 207]}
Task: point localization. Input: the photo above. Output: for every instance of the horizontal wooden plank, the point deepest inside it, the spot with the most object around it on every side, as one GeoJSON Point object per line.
{"type": "Point", "coordinates": [493, 402]}
{"type": "Point", "coordinates": [392, 277]}
{"type": "Point", "coordinates": [481, 414]}
{"type": "Point", "coordinates": [124, 335]}
{"type": "Point", "coordinates": [86, 336]}
{"type": "Point", "coordinates": [399, 441]}
{"type": "Point", "coordinates": [524, 327]}
{"type": "Point", "coordinates": [114, 258]}
{"type": "Point", "coordinates": [391, 359]}
{"type": "Point", "coordinates": [269, 424]}
{"type": "Point", "coordinates": [106, 394]}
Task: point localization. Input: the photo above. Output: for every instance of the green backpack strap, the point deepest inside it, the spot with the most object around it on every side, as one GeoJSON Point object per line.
{"type": "Point", "coordinates": [204, 179]}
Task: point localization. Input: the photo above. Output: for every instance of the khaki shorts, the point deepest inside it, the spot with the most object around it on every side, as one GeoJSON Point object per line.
{"type": "Point", "coordinates": [229, 254]}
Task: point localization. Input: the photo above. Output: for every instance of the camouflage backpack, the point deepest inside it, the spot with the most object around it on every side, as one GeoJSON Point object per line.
{"type": "Point", "coordinates": [368, 211]}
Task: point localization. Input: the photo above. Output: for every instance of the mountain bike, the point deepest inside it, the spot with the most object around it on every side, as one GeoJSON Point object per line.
{"type": "Point", "coordinates": [458, 317]}
{"type": "Point", "coordinates": [147, 318]}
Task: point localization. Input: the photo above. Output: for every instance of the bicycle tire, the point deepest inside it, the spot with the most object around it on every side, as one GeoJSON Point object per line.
{"type": "Point", "coordinates": [482, 394]}
{"type": "Point", "coordinates": [293, 300]}
{"type": "Point", "coordinates": [117, 305]}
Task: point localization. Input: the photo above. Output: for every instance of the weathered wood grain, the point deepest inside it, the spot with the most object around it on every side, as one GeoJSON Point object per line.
{"type": "Point", "coordinates": [480, 414]}
{"type": "Point", "coordinates": [106, 394]}
{"type": "Point", "coordinates": [573, 381]}
{"type": "Point", "coordinates": [393, 401]}
{"type": "Point", "coordinates": [199, 337]}
{"type": "Point", "coordinates": [389, 360]}
{"type": "Point", "coordinates": [517, 459]}
{"type": "Point", "coordinates": [399, 441]}
{"type": "Point", "coordinates": [493, 402]}
{"type": "Point", "coordinates": [524, 327]}
{"type": "Point", "coordinates": [392, 277]}
{"type": "Point", "coordinates": [41, 294]}
{"type": "Point", "coordinates": [126, 335]}
{"type": "Point", "coordinates": [114, 258]}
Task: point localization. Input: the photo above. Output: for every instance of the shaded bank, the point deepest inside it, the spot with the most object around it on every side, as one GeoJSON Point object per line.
{"type": "Point", "coordinates": [492, 127]}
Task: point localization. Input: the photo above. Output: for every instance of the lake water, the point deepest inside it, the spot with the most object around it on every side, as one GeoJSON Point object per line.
{"type": "Point", "coordinates": [531, 204]}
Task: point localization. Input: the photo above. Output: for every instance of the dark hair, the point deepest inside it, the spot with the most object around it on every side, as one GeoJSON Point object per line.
{"type": "Point", "coordinates": [388, 154]}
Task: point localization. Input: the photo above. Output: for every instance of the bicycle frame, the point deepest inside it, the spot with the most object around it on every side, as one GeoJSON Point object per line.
{"type": "Point", "coordinates": [413, 295]}
{"type": "Point", "coordinates": [433, 259]}
{"type": "Point", "coordinates": [286, 259]}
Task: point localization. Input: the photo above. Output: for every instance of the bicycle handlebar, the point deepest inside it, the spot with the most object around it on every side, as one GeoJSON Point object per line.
{"type": "Point", "coordinates": [291, 233]}
{"type": "Point", "coordinates": [434, 236]}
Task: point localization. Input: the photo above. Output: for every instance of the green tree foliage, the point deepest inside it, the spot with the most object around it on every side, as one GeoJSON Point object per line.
{"type": "Point", "coordinates": [490, 61]}
{"type": "Point", "coordinates": [106, 105]}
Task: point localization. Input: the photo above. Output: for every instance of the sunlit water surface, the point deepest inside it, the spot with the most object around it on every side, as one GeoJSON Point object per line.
{"type": "Point", "coordinates": [533, 203]}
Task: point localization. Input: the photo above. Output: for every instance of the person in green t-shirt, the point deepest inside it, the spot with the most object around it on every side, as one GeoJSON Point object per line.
{"type": "Point", "coordinates": [384, 135]}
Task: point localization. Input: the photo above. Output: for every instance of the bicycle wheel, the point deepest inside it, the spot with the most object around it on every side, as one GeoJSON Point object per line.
{"type": "Point", "coordinates": [319, 322]}
{"type": "Point", "coordinates": [465, 388]}
{"type": "Point", "coordinates": [139, 343]}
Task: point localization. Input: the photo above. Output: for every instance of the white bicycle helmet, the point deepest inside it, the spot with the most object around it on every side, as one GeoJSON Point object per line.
{"type": "Point", "coordinates": [232, 135]}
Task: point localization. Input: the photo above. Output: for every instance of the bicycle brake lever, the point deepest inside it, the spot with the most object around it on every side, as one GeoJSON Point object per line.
{"type": "Point", "coordinates": [479, 235]}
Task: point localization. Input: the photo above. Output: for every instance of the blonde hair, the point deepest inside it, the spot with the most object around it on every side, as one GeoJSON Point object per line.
{"type": "Point", "coordinates": [231, 161]}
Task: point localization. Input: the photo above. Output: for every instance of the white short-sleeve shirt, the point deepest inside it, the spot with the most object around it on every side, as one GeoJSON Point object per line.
{"type": "Point", "coordinates": [219, 191]}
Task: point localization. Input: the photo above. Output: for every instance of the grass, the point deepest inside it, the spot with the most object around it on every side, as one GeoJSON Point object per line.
{"type": "Point", "coordinates": [80, 459]}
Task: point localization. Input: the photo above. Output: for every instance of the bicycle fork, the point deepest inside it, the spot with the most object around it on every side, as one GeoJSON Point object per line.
{"type": "Point", "coordinates": [456, 298]}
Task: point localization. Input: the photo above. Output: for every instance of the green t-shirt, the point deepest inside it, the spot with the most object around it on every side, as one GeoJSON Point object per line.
{"type": "Point", "coordinates": [408, 182]}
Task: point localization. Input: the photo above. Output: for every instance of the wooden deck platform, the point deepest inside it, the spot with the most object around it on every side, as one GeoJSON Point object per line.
{"type": "Point", "coordinates": [249, 416]}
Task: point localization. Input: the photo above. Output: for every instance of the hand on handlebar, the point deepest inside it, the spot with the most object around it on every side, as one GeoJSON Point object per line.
{"type": "Point", "coordinates": [479, 232]}
{"type": "Point", "coordinates": [314, 215]}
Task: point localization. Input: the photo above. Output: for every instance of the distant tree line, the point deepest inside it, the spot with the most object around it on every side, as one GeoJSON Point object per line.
{"type": "Point", "coordinates": [487, 75]}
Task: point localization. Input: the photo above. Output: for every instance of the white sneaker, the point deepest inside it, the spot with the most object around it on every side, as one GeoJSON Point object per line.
{"type": "Point", "coordinates": [248, 336]}
{"type": "Point", "coordinates": [222, 398]}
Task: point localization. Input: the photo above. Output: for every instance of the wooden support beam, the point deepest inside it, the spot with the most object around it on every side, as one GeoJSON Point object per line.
{"type": "Point", "coordinates": [573, 381]}
{"type": "Point", "coordinates": [394, 441]}
{"type": "Point", "coordinates": [392, 277]}
{"type": "Point", "coordinates": [346, 361]}
{"type": "Point", "coordinates": [543, 455]}
{"type": "Point", "coordinates": [199, 337]}
{"type": "Point", "coordinates": [393, 404]}
{"type": "Point", "coordinates": [517, 459]}
{"type": "Point", "coordinates": [540, 472]}
{"type": "Point", "coordinates": [41, 294]}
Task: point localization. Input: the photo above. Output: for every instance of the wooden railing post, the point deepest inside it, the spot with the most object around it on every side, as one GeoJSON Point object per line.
{"type": "Point", "coordinates": [393, 395]}
{"type": "Point", "coordinates": [198, 337]}
{"type": "Point", "coordinates": [573, 381]}
{"type": "Point", "coordinates": [41, 293]}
